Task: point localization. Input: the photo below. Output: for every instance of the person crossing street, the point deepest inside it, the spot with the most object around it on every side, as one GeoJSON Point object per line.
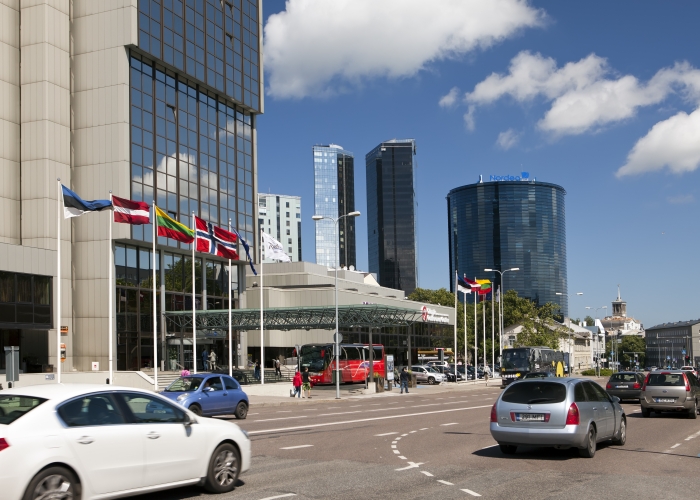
{"type": "Point", "coordinates": [404, 379]}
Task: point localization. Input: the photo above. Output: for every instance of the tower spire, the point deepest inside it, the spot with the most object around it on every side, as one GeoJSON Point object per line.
{"type": "Point", "coordinates": [618, 291]}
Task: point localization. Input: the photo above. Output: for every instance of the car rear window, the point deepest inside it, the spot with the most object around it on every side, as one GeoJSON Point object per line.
{"type": "Point", "coordinates": [669, 380]}
{"type": "Point", "coordinates": [14, 407]}
{"type": "Point", "coordinates": [623, 377]}
{"type": "Point", "coordinates": [535, 393]}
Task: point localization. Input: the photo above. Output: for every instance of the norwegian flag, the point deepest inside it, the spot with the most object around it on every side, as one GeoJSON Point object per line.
{"type": "Point", "coordinates": [214, 240]}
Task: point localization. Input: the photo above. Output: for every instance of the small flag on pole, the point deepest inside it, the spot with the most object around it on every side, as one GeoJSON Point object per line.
{"type": "Point", "coordinates": [214, 240]}
{"type": "Point", "coordinates": [463, 287]}
{"type": "Point", "coordinates": [246, 247]}
{"type": "Point", "coordinates": [130, 212]}
{"type": "Point", "coordinates": [75, 206]}
{"type": "Point", "coordinates": [273, 249]}
{"type": "Point", "coordinates": [170, 228]}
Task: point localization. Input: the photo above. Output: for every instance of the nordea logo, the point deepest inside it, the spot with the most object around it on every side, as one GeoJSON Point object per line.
{"type": "Point", "coordinates": [524, 176]}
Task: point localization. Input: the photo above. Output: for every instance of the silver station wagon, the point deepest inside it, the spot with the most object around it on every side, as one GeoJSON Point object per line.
{"type": "Point", "coordinates": [562, 413]}
{"type": "Point", "coordinates": [672, 390]}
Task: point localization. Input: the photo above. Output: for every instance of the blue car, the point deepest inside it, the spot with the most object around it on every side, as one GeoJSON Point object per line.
{"type": "Point", "coordinates": [209, 395]}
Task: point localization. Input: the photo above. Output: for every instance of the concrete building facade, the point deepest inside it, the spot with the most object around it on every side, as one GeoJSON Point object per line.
{"type": "Point", "coordinates": [279, 216]}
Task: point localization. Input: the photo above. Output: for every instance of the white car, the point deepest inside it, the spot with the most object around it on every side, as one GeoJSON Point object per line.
{"type": "Point", "coordinates": [95, 441]}
{"type": "Point", "coordinates": [428, 374]}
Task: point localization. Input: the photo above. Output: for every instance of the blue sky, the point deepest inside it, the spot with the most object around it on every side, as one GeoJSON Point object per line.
{"type": "Point", "coordinates": [599, 97]}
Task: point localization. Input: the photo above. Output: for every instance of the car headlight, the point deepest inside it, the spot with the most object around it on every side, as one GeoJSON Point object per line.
{"type": "Point", "coordinates": [182, 397]}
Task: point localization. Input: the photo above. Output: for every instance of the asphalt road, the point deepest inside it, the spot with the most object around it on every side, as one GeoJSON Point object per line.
{"type": "Point", "coordinates": [438, 445]}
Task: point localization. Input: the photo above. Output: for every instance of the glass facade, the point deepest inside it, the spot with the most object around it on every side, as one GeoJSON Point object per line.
{"type": "Point", "coordinates": [25, 301]}
{"type": "Point", "coordinates": [217, 42]}
{"type": "Point", "coordinates": [334, 195]}
{"type": "Point", "coordinates": [501, 225]}
{"type": "Point", "coordinates": [391, 222]}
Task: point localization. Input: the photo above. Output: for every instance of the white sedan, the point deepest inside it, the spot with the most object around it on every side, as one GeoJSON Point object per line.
{"type": "Point", "coordinates": [93, 441]}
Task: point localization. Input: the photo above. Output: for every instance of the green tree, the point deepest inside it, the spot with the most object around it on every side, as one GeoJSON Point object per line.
{"type": "Point", "coordinates": [589, 321]}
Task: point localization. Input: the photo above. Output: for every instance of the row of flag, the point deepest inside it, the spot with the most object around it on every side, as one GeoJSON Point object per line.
{"type": "Point", "coordinates": [480, 287]}
{"type": "Point", "coordinates": [207, 237]}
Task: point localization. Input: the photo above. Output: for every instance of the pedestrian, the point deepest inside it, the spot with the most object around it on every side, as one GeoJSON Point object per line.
{"type": "Point", "coordinates": [256, 371]}
{"type": "Point", "coordinates": [306, 383]}
{"type": "Point", "coordinates": [212, 360]}
{"type": "Point", "coordinates": [396, 376]}
{"type": "Point", "coordinates": [404, 379]}
{"type": "Point", "coordinates": [296, 382]}
{"type": "Point", "coordinates": [487, 373]}
{"type": "Point", "coordinates": [278, 370]}
{"type": "Point", "coordinates": [205, 358]}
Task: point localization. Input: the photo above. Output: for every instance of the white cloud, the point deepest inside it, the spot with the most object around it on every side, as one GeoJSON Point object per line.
{"type": "Point", "coordinates": [449, 99]}
{"type": "Point", "coordinates": [507, 139]}
{"type": "Point", "coordinates": [318, 47]}
{"type": "Point", "coordinates": [469, 121]}
{"type": "Point", "coordinates": [681, 199]}
{"type": "Point", "coordinates": [672, 143]}
{"type": "Point", "coordinates": [583, 94]}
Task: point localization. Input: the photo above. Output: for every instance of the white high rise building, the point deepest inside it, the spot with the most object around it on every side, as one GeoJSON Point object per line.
{"type": "Point", "coordinates": [280, 216]}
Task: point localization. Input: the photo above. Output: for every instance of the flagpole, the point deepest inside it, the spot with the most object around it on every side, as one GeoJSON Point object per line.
{"type": "Point", "coordinates": [58, 288]}
{"type": "Point", "coordinates": [493, 335]}
{"type": "Point", "coordinates": [111, 291]}
{"type": "Point", "coordinates": [262, 338]}
{"type": "Point", "coordinates": [483, 323]}
{"type": "Point", "coordinates": [466, 374]}
{"type": "Point", "coordinates": [476, 334]}
{"type": "Point", "coordinates": [456, 289]}
{"type": "Point", "coordinates": [230, 300]}
{"type": "Point", "coordinates": [155, 318]}
{"type": "Point", "coordinates": [500, 323]}
{"type": "Point", "coordinates": [194, 304]}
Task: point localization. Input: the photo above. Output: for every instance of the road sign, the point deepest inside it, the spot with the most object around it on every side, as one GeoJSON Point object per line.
{"type": "Point", "coordinates": [683, 352]}
{"type": "Point", "coordinates": [668, 357]}
{"type": "Point", "coordinates": [64, 330]}
{"type": "Point", "coordinates": [340, 337]}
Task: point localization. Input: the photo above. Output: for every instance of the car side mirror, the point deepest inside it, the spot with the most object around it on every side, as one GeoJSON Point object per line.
{"type": "Point", "coordinates": [615, 399]}
{"type": "Point", "coordinates": [188, 420]}
{"type": "Point", "coordinates": [208, 389]}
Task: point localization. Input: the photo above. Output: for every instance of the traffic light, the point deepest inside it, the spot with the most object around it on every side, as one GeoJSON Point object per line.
{"type": "Point", "coordinates": [687, 358]}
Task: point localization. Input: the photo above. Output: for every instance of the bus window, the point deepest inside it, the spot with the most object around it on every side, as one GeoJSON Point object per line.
{"type": "Point", "coordinates": [352, 354]}
{"type": "Point", "coordinates": [378, 353]}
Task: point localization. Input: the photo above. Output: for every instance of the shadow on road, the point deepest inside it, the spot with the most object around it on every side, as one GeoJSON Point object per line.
{"type": "Point", "coordinates": [180, 493]}
{"type": "Point", "coordinates": [534, 453]}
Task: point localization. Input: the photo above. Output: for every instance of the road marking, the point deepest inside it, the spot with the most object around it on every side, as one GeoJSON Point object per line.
{"type": "Point", "coordinates": [451, 423]}
{"type": "Point", "coordinates": [394, 442]}
{"type": "Point", "coordinates": [393, 446]}
{"type": "Point", "coordinates": [412, 432]}
{"type": "Point", "coordinates": [273, 419]}
{"type": "Point", "coordinates": [487, 447]}
{"type": "Point", "coordinates": [424, 429]}
{"type": "Point", "coordinates": [693, 436]}
{"type": "Point", "coordinates": [445, 482]}
{"type": "Point", "coordinates": [295, 447]}
{"type": "Point", "coordinates": [396, 451]}
{"type": "Point", "coordinates": [398, 438]}
{"type": "Point", "coordinates": [402, 457]}
{"type": "Point", "coordinates": [344, 422]}
{"type": "Point", "coordinates": [427, 473]}
{"type": "Point", "coordinates": [385, 434]}
{"type": "Point", "coordinates": [472, 493]}
{"type": "Point", "coordinates": [411, 465]}
{"type": "Point", "coordinates": [404, 435]}
{"type": "Point", "coordinates": [354, 406]}
{"type": "Point", "coordinates": [253, 414]}
{"type": "Point", "coordinates": [280, 496]}
{"type": "Point", "coordinates": [284, 411]}
{"type": "Point", "coordinates": [675, 445]}
{"type": "Point", "coordinates": [360, 411]}
{"type": "Point", "coordinates": [374, 404]}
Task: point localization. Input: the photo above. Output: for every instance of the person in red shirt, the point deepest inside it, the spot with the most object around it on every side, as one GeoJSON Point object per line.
{"type": "Point", "coordinates": [296, 381]}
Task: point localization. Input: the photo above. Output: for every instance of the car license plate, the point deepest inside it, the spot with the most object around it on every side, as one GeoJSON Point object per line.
{"type": "Point", "coordinates": [665, 400]}
{"type": "Point", "coordinates": [622, 386]}
{"type": "Point", "coordinates": [529, 417]}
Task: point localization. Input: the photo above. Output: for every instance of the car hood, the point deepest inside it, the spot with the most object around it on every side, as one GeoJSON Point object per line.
{"type": "Point", "coordinates": [174, 395]}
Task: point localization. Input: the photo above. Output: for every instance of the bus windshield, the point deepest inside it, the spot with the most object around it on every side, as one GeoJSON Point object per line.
{"type": "Point", "coordinates": [316, 357]}
{"type": "Point", "coordinates": [516, 359]}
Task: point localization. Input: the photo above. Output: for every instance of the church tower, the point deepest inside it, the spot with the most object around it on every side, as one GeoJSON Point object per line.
{"type": "Point", "coordinates": [619, 306]}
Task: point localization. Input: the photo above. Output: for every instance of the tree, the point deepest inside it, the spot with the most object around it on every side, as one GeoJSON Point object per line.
{"type": "Point", "coordinates": [589, 321]}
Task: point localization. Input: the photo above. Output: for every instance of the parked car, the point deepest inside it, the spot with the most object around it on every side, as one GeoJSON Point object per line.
{"type": "Point", "coordinates": [463, 371]}
{"type": "Point", "coordinates": [675, 390]}
{"type": "Point", "coordinates": [690, 369]}
{"type": "Point", "coordinates": [479, 372]}
{"type": "Point", "coordinates": [87, 441]}
{"type": "Point", "coordinates": [427, 374]}
{"type": "Point", "coordinates": [449, 372]}
{"type": "Point", "coordinates": [539, 375]}
{"type": "Point", "coordinates": [437, 363]}
{"type": "Point", "coordinates": [209, 395]}
{"type": "Point", "coordinates": [559, 412]}
{"type": "Point", "coordinates": [625, 385]}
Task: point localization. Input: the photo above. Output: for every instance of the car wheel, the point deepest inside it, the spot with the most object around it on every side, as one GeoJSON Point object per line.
{"type": "Point", "coordinates": [241, 411]}
{"type": "Point", "coordinates": [196, 409]}
{"type": "Point", "coordinates": [646, 412]}
{"type": "Point", "coordinates": [622, 436]}
{"type": "Point", "coordinates": [431, 380]}
{"type": "Point", "coordinates": [224, 467]}
{"type": "Point", "coordinates": [694, 411]}
{"type": "Point", "coordinates": [55, 483]}
{"type": "Point", "coordinates": [589, 450]}
{"type": "Point", "coordinates": [508, 449]}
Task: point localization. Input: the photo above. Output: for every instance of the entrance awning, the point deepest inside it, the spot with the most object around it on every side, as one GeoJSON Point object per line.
{"type": "Point", "coordinates": [298, 318]}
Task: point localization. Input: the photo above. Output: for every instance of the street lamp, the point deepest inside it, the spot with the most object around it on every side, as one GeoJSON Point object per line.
{"type": "Point", "coordinates": [500, 311]}
{"type": "Point", "coordinates": [337, 333]}
{"type": "Point", "coordinates": [597, 337]}
{"type": "Point", "coordinates": [569, 349]}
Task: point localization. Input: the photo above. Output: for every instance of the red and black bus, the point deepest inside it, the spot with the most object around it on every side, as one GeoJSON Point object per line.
{"type": "Point", "coordinates": [354, 362]}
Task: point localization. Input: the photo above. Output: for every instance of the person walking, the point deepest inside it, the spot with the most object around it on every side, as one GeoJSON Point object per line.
{"type": "Point", "coordinates": [205, 358]}
{"type": "Point", "coordinates": [404, 379]}
{"type": "Point", "coordinates": [306, 383]}
{"type": "Point", "coordinates": [212, 361]}
{"type": "Point", "coordinates": [278, 370]}
{"type": "Point", "coordinates": [487, 373]}
{"type": "Point", "coordinates": [256, 370]}
{"type": "Point", "coordinates": [296, 382]}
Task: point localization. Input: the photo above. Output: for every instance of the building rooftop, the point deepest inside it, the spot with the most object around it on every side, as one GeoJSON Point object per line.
{"type": "Point", "coordinates": [677, 324]}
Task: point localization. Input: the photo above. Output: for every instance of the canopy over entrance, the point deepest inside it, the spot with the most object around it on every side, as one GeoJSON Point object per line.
{"type": "Point", "coordinates": [306, 318]}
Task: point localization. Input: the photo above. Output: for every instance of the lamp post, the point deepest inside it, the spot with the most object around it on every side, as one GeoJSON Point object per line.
{"type": "Point", "coordinates": [337, 333]}
{"type": "Point", "coordinates": [500, 307]}
{"type": "Point", "coordinates": [597, 337]}
{"type": "Point", "coordinates": [570, 364]}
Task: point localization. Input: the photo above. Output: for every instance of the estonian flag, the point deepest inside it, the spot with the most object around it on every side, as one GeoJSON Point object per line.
{"type": "Point", "coordinates": [75, 206]}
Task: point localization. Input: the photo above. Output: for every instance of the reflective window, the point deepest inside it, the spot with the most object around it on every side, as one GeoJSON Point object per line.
{"type": "Point", "coordinates": [147, 409]}
{"type": "Point", "coordinates": [95, 409]}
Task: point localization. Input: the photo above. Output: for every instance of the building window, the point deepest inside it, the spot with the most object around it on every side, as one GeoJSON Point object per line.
{"type": "Point", "coordinates": [25, 301]}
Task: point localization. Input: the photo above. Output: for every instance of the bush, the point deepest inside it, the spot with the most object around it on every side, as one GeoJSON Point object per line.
{"type": "Point", "coordinates": [604, 372]}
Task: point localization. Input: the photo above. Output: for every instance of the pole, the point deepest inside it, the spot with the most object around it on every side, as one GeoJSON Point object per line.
{"type": "Point", "coordinates": [58, 278]}
{"type": "Point", "coordinates": [110, 295]}
{"type": "Point", "coordinates": [476, 332]}
{"type": "Point", "coordinates": [194, 303]}
{"type": "Point", "coordinates": [493, 336]}
{"type": "Point", "coordinates": [155, 318]}
{"type": "Point", "coordinates": [230, 301]}
{"type": "Point", "coordinates": [483, 323]}
{"type": "Point", "coordinates": [466, 373]}
{"type": "Point", "coordinates": [262, 337]}
{"type": "Point", "coordinates": [337, 333]}
{"type": "Point", "coordinates": [465, 326]}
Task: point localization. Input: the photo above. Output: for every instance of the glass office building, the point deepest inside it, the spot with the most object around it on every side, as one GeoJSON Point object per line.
{"type": "Point", "coordinates": [334, 195]}
{"type": "Point", "coordinates": [391, 218]}
{"type": "Point", "coordinates": [501, 225]}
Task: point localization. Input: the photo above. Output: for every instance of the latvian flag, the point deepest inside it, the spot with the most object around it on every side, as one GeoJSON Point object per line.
{"type": "Point", "coordinates": [214, 240]}
{"type": "Point", "coordinates": [472, 284]}
{"type": "Point", "coordinates": [130, 212]}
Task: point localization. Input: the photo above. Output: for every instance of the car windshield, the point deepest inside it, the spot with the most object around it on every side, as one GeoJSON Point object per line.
{"type": "Point", "coordinates": [14, 407]}
{"type": "Point", "coordinates": [666, 379]}
{"type": "Point", "coordinates": [535, 393]}
{"type": "Point", "coordinates": [623, 377]}
{"type": "Point", "coordinates": [184, 384]}
{"type": "Point", "coordinates": [516, 359]}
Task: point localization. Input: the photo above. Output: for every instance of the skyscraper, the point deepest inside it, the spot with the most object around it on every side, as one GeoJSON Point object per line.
{"type": "Point", "coordinates": [279, 216]}
{"type": "Point", "coordinates": [334, 195]}
{"type": "Point", "coordinates": [391, 218]}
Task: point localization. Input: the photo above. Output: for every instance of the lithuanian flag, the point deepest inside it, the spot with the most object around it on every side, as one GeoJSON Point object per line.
{"type": "Point", "coordinates": [485, 286]}
{"type": "Point", "coordinates": [170, 228]}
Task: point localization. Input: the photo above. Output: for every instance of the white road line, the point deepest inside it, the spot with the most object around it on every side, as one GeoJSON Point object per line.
{"type": "Point", "coordinates": [295, 447]}
{"type": "Point", "coordinates": [393, 446]}
{"type": "Point", "coordinates": [487, 447]}
{"type": "Point", "coordinates": [451, 423]}
{"type": "Point", "coordinates": [284, 411]}
{"type": "Point", "coordinates": [280, 496]}
{"type": "Point", "coordinates": [411, 465]}
{"type": "Point", "coordinates": [404, 435]}
{"type": "Point", "coordinates": [412, 432]}
{"type": "Point", "coordinates": [343, 422]}
{"type": "Point", "coordinates": [402, 457]}
{"type": "Point", "coordinates": [424, 429]}
{"type": "Point", "coordinates": [692, 436]}
{"type": "Point", "coordinates": [354, 406]}
{"type": "Point", "coordinates": [374, 404]}
{"type": "Point", "coordinates": [394, 442]}
{"type": "Point", "coordinates": [426, 473]}
{"type": "Point", "coordinates": [361, 411]}
{"type": "Point", "coordinates": [445, 482]}
{"type": "Point", "coordinates": [675, 445]}
{"type": "Point", "coordinates": [273, 419]}
{"type": "Point", "coordinates": [472, 493]}
{"type": "Point", "coordinates": [385, 434]}
{"type": "Point", "coordinates": [397, 452]}
{"type": "Point", "coordinates": [253, 414]}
